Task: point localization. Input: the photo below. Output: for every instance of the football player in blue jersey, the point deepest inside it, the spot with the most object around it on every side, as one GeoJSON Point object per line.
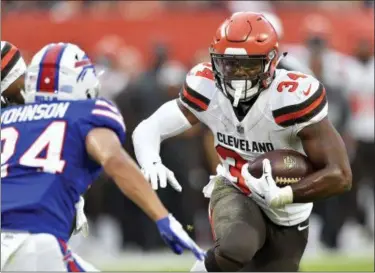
{"type": "Point", "coordinates": [53, 147]}
{"type": "Point", "coordinates": [13, 68]}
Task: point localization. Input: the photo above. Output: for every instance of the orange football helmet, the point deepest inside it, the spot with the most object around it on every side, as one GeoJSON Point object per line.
{"type": "Point", "coordinates": [244, 55]}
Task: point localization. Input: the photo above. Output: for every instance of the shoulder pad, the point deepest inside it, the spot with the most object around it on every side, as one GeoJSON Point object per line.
{"type": "Point", "coordinates": [298, 98]}
{"type": "Point", "coordinates": [108, 109]}
{"type": "Point", "coordinates": [101, 113]}
{"type": "Point", "coordinates": [199, 87]}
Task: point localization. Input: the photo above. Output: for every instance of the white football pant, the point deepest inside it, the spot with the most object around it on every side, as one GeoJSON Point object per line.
{"type": "Point", "coordinates": [22, 251]}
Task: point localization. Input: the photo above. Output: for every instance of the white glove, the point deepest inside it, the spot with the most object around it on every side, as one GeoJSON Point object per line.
{"type": "Point", "coordinates": [264, 190]}
{"type": "Point", "coordinates": [158, 172]}
{"type": "Point", "coordinates": [81, 221]}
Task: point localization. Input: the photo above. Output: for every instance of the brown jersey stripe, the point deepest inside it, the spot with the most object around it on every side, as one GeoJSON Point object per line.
{"type": "Point", "coordinates": [297, 107]}
{"type": "Point", "coordinates": [192, 102]}
{"type": "Point", "coordinates": [307, 116]}
{"type": "Point", "coordinates": [194, 99]}
{"type": "Point", "coordinates": [304, 114]}
{"type": "Point", "coordinates": [196, 95]}
{"type": "Point", "coordinates": [9, 61]}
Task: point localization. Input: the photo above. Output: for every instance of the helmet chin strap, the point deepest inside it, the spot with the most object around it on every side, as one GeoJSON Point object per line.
{"type": "Point", "coordinates": [238, 92]}
{"type": "Point", "coordinates": [237, 97]}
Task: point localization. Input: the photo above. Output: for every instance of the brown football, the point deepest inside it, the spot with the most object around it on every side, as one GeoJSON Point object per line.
{"type": "Point", "coordinates": [288, 166]}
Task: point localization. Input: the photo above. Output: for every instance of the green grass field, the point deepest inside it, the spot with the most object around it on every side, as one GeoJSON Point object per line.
{"type": "Point", "coordinates": [328, 263]}
{"type": "Point", "coordinates": [339, 264]}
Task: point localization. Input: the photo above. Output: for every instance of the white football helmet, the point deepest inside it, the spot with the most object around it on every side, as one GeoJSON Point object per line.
{"type": "Point", "coordinates": [60, 71]}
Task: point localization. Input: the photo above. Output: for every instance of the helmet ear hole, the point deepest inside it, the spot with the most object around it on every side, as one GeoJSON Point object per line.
{"type": "Point", "coordinates": [88, 95]}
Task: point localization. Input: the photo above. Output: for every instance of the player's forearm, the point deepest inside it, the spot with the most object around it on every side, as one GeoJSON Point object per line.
{"type": "Point", "coordinates": [146, 142]}
{"type": "Point", "coordinates": [324, 183]}
{"type": "Point", "coordinates": [104, 147]}
{"type": "Point", "coordinates": [166, 122]}
{"type": "Point", "coordinates": [132, 183]}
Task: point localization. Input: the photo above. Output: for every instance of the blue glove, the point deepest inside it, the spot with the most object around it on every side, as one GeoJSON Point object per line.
{"type": "Point", "coordinates": [176, 237]}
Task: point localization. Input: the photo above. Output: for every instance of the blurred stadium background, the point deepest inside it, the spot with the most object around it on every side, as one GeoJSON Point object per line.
{"type": "Point", "coordinates": [145, 49]}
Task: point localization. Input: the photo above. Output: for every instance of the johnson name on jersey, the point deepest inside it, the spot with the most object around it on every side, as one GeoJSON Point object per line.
{"type": "Point", "coordinates": [44, 163]}
{"type": "Point", "coordinates": [292, 102]}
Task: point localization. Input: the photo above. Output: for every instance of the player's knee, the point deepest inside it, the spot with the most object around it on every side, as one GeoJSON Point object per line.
{"type": "Point", "coordinates": [240, 244]}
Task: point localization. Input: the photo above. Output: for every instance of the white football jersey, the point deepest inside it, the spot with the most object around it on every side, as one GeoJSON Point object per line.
{"type": "Point", "coordinates": [293, 101]}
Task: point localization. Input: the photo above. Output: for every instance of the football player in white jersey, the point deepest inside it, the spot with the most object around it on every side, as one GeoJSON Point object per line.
{"type": "Point", "coordinates": [251, 108]}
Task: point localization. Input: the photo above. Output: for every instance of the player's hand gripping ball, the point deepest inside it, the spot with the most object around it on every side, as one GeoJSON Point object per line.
{"type": "Point", "coordinates": [288, 166]}
{"type": "Point", "coordinates": [270, 175]}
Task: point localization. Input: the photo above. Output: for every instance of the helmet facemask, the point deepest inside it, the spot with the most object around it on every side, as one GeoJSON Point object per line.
{"type": "Point", "coordinates": [241, 77]}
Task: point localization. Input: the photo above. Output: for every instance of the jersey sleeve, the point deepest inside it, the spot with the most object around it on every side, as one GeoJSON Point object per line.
{"type": "Point", "coordinates": [199, 88]}
{"type": "Point", "coordinates": [299, 106]}
{"type": "Point", "coordinates": [102, 113]}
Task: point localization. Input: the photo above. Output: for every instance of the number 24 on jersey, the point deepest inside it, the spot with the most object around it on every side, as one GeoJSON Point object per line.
{"type": "Point", "coordinates": [51, 140]}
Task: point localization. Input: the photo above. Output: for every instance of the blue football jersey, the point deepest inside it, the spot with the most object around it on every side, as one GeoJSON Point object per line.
{"type": "Point", "coordinates": [44, 163]}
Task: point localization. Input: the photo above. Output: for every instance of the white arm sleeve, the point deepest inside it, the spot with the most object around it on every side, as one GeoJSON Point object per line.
{"type": "Point", "coordinates": [166, 122]}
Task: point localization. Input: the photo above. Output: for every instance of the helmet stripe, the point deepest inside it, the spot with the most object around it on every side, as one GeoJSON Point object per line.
{"type": "Point", "coordinates": [48, 77]}
{"type": "Point", "coordinates": [9, 58]}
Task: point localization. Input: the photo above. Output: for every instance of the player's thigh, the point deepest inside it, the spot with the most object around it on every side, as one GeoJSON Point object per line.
{"type": "Point", "coordinates": [10, 244]}
{"type": "Point", "coordinates": [237, 222]}
{"type": "Point", "coordinates": [39, 252]}
{"type": "Point", "coordinates": [283, 249]}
